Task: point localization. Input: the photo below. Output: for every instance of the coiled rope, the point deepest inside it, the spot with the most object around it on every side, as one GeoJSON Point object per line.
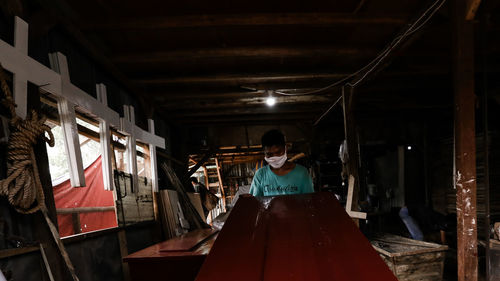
{"type": "Point", "coordinates": [22, 186]}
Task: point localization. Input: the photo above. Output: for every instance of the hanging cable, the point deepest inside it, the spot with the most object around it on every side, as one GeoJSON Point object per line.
{"type": "Point", "coordinates": [372, 65]}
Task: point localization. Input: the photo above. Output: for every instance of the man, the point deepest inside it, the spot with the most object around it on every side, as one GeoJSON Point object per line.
{"type": "Point", "coordinates": [205, 195]}
{"type": "Point", "coordinates": [280, 177]}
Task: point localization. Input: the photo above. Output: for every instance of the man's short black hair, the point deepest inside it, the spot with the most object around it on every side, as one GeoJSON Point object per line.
{"type": "Point", "coordinates": [193, 179]}
{"type": "Point", "coordinates": [273, 137]}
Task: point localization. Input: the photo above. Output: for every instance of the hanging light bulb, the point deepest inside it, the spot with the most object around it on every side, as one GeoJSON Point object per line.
{"type": "Point", "coordinates": [270, 101]}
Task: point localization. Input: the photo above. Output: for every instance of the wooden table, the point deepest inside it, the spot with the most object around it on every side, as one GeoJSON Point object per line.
{"type": "Point", "coordinates": [177, 259]}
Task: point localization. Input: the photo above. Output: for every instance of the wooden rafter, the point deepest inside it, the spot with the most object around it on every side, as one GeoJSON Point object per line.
{"type": "Point", "coordinates": [241, 52]}
{"type": "Point", "coordinates": [242, 20]}
{"type": "Point", "coordinates": [472, 6]}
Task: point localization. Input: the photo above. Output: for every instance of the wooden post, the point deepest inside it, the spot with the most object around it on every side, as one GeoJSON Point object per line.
{"type": "Point", "coordinates": [41, 230]}
{"type": "Point", "coordinates": [465, 142]}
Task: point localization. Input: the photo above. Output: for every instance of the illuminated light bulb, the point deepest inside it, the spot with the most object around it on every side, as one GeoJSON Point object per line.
{"type": "Point", "coordinates": [271, 101]}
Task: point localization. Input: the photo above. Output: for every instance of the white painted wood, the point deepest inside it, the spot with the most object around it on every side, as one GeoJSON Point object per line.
{"type": "Point", "coordinates": [128, 125]}
{"type": "Point", "coordinates": [152, 157]}
{"type": "Point", "coordinates": [71, 142]}
{"type": "Point", "coordinates": [105, 139]}
{"type": "Point", "coordinates": [57, 81]}
{"type": "Point", "coordinates": [21, 35]}
{"type": "Point", "coordinates": [20, 83]}
{"type": "Point", "coordinates": [19, 63]}
{"type": "Point", "coordinates": [147, 137]}
{"type": "Point", "coordinates": [348, 206]}
{"type": "Point", "coordinates": [78, 96]}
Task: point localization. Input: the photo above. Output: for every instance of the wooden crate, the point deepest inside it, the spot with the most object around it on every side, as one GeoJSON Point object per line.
{"type": "Point", "coordinates": [411, 260]}
{"type": "Point", "coordinates": [494, 260]}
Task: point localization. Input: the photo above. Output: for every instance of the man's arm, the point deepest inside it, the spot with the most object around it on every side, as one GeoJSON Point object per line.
{"type": "Point", "coordinates": [256, 187]}
{"type": "Point", "coordinates": [308, 183]}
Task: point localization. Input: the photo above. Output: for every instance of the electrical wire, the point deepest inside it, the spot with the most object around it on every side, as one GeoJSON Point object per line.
{"type": "Point", "coordinates": [372, 65]}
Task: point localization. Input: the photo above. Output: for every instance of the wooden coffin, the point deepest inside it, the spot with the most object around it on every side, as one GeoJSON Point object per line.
{"type": "Point", "coordinates": [177, 259]}
{"type": "Point", "coordinates": [411, 260]}
{"type": "Point", "coordinates": [296, 237]}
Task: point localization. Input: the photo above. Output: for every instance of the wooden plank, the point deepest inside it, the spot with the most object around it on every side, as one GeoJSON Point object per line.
{"type": "Point", "coordinates": [75, 95]}
{"type": "Point", "coordinates": [152, 157]}
{"type": "Point", "coordinates": [190, 211]}
{"type": "Point", "coordinates": [241, 52]}
{"type": "Point", "coordinates": [153, 252]}
{"type": "Point", "coordinates": [465, 142]}
{"type": "Point", "coordinates": [353, 163]}
{"type": "Point", "coordinates": [168, 217]}
{"type": "Point", "coordinates": [127, 124]}
{"type": "Point", "coordinates": [196, 201]}
{"type": "Point", "coordinates": [198, 165]}
{"type": "Point", "coordinates": [77, 227]}
{"type": "Point", "coordinates": [80, 210]}
{"type": "Point", "coordinates": [221, 185]}
{"type": "Point", "coordinates": [242, 20]}
{"type": "Point", "coordinates": [21, 64]}
{"type": "Point", "coordinates": [105, 141]}
{"type": "Point", "coordinates": [17, 251]}
{"type": "Point", "coordinates": [186, 242]}
{"type": "Point", "coordinates": [472, 6]}
{"type": "Point", "coordinates": [71, 142]}
{"type": "Point", "coordinates": [122, 239]}
{"type": "Point", "coordinates": [348, 206]}
{"type": "Point", "coordinates": [20, 89]}
{"type": "Point", "coordinates": [41, 231]}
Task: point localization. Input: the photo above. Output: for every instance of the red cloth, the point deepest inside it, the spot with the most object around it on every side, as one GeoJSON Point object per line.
{"type": "Point", "coordinates": [93, 195]}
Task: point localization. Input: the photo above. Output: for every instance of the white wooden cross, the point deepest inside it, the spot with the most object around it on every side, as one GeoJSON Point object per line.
{"type": "Point", "coordinates": [71, 96]}
{"type": "Point", "coordinates": [134, 133]}
{"type": "Point", "coordinates": [348, 206]}
{"type": "Point", "coordinates": [57, 82]}
{"type": "Point", "coordinates": [16, 60]}
{"type": "Point", "coordinates": [105, 137]}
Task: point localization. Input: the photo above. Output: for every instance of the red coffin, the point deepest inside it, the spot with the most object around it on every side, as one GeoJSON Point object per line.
{"type": "Point", "coordinates": [298, 237]}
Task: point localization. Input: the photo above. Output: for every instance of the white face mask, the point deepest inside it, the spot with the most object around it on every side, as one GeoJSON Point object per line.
{"type": "Point", "coordinates": [277, 161]}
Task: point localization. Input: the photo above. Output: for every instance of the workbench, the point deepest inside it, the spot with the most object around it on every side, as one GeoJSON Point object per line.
{"type": "Point", "coordinates": [177, 259]}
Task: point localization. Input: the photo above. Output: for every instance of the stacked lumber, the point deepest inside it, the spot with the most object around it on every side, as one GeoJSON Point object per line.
{"type": "Point", "coordinates": [168, 213]}
{"type": "Point", "coordinates": [444, 194]}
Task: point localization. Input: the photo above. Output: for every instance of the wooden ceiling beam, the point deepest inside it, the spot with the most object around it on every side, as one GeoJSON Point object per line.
{"type": "Point", "coordinates": [246, 110]}
{"type": "Point", "coordinates": [472, 6]}
{"type": "Point", "coordinates": [240, 52]}
{"type": "Point", "coordinates": [249, 119]}
{"type": "Point", "coordinates": [232, 103]}
{"type": "Point", "coordinates": [267, 19]}
{"type": "Point", "coordinates": [238, 80]}
{"type": "Point", "coordinates": [173, 96]}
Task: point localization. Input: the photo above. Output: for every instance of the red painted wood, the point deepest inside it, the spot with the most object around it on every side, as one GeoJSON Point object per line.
{"type": "Point", "coordinates": [186, 242]}
{"type": "Point", "coordinates": [300, 237]}
{"type": "Point", "coordinates": [153, 264]}
{"type": "Point", "coordinates": [153, 252]}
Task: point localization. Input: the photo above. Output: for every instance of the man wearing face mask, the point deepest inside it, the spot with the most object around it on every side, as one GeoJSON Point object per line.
{"type": "Point", "coordinates": [280, 177]}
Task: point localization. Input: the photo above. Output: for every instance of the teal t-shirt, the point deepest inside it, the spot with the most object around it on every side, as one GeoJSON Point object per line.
{"type": "Point", "coordinates": [267, 183]}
